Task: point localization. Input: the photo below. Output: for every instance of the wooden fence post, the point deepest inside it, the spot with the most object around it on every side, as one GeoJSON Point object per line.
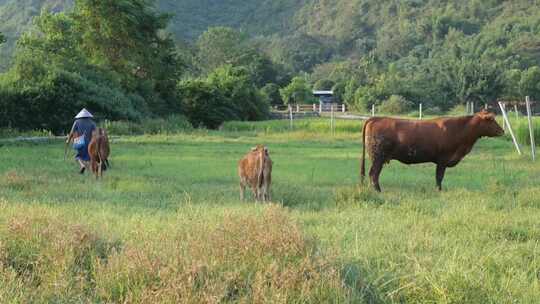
{"type": "Point", "coordinates": [297, 108]}
{"type": "Point", "coordinates": [509, 127]}
{"type": "Point", "coordinates": [516, 111]}
{"type": "Point", "coordinates": [320, 107]}
{"type": "Point", "coordinates": [420, 110]}
{"type": "Point", "coordinates": [332, 118]}
{"type": "Point", "coordinates": [485, 106]}
{"type": "Point", "coordinates": [342, 108]}
{"type": "Point", "coordinates": [373, 110]}
{"type": "Point", "coordinates": [314, 108]}
{"type": "Point", "coordinates": [290, 117]}
{"type": "Point", "coordinates": [504, 122]}
{"type": "Point", "coordinates": [531, 128]}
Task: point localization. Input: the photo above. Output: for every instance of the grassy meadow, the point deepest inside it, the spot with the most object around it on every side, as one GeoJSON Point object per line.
{"type": "Point", "coordinates": [166, 224]}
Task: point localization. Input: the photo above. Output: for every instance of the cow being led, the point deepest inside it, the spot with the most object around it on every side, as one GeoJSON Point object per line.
{"type": "Point", "coordinates": [99, 151]}
{"type": "Point", "coordinates": [443, 141]}
{"type": "Point", "coordinates": [255, 170]}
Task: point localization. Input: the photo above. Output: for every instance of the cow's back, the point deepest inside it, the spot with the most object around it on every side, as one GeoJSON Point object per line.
{"type": "Point", "coordinates": [248, 168]}
{"type": "Point", "coordinates": [408, 141]}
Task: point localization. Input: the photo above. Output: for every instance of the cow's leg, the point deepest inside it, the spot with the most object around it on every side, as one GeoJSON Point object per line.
{"type": "Point", "coordinates": [100, 172]}
{"type": "Point", "coordinates": [440, 175]}
{"type": "Point", "coordinates": [242, 190]}
{"type": "Point", "coordinates": [374, 173]}
{"type": "Point", "coordinates": [265, 193]}
{"type": "Point", "coordinates": [255, 190]}
{"type": "Point", "coordinates": [268, 196]}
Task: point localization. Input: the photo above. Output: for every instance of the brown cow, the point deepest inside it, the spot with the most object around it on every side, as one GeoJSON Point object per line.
{"type": "Point", "coordinates": [443, 141]}
{"type": "Point", "coordinates": [99, 151]}
{"type": "Point", "coordinates": [255, 170]}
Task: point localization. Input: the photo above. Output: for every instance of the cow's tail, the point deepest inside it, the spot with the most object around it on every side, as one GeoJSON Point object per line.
{"type": "Point", "coordinates": [98, 147]}
{"type": "Point", "coordinates": [260, 178]}
{"type": "Point", "coordinates": [363, 164]}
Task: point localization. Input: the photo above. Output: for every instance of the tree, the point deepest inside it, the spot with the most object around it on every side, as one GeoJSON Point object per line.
{"type": "Point", "coordinates": [226, 94]}
{"type": "Point", "coordinates": [395, 104]}
{"type": "Point", "coordinates": [218, 46]}
{"type": "Point", "coordinates": [127, 37]}
{"type": "Point", "coordinates": [297, 92]}
{"type": "Point", "coordinates": [323, 84]}
{"type": "Point", "coordinates": [271, 91]}
{"type": "Point", "coordinates": [339, 91]}
{"type": "Point", "coordinates": [204, 104]}
{"type": "Point", "coordinates": [243, 96]}
{"type": "Point", "coordinates": [530, 83]}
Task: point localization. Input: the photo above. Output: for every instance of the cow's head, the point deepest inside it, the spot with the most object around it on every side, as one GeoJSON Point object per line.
{"type": "Point", "coordinates": [260, 148]}
{"type": "Point", "coordinates": [487, 125]}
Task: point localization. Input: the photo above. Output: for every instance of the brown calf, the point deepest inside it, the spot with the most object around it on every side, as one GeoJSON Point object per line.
{"type": "Point", "coordinates": [99, 151]}
{"type": "Point", "coordinates": [443, 141]}
{"type": "Point", "coordinates": [255, 170]}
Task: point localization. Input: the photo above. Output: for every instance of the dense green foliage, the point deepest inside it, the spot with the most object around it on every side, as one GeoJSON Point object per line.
{"type": "Point", "coordinates": [226, 94]}
{"type": "Point", "coordinates": [438, 53]}
{"type": "Point", "coordinates": [117, 61]}
{"type": "Point", "coordinates": [297, 92]}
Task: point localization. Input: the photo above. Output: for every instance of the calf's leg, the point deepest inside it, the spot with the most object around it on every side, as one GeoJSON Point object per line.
{"type": "Point", "coordinates": [440, 175]}
{"type": "Point", "coordinates": [374, 173]}
{"type": "Point", "coordinates": [268, 196]}
{"type": "Point", "coordinates": [100, 168]}
{"type": "Point", "coordinates": [256, 192]}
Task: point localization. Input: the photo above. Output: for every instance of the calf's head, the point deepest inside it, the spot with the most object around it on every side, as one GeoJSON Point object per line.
{"type": "Point", "coordinates": [485, 124]}
{"type": "Point", "coordinates": [260, 150]}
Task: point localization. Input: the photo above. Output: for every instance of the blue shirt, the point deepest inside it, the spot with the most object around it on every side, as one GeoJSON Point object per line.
{"type": "Point", "coordinates": [84, 126]}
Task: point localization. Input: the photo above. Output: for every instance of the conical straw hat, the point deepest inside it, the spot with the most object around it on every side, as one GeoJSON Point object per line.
{"type": "Point", "coordinates": [84, 114]}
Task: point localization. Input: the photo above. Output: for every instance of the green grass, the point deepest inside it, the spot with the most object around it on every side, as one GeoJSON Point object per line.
{"type": "Point", "coordinates": [166, 225]}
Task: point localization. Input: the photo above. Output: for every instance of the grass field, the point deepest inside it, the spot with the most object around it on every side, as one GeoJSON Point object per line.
{"type": "Point", "coordinates": [166, 224]}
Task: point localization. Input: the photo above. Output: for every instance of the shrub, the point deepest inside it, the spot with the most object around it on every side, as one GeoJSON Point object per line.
{"type": "Point", "coordinates": [52, 102]}
{"type": "Point", "coordinates": [396, 104]}
{"type": "Point", "coordinates": [522, 132]}
{"type": "Point", "coordinates": [227, 94]}
{"type": "Point", "coordinates": [170, 125]}
{"type": "Point", "coordinates": [457, 110]}
{"type": "Point", "coordinates": [432, 110]}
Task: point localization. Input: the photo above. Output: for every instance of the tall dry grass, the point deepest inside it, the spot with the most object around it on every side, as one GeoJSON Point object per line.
{"type": "Point", "coordinates": [242, 258]}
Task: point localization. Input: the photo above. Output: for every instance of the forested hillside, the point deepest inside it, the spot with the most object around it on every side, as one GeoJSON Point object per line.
{"type": "Point", "coordinates": [394, 54]}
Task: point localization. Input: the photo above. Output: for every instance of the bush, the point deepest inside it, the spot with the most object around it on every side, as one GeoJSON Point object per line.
{"type": "Point", "coordinates": [457, 110]}
{"type": "Point", "coordinates": [522, 132]}
{"type": "Point", "coordinates": [51, 103]}
{"type": "Point", "coordinates": [433, 110]}
{"type": "Point", "coordinates": [396, 104]}
{"type": "Point", "coordinates": [170, 125]}
{"type": "Point", "coordinates": [271, 92]}
{"type": "Point", "coordinates": [227, 94]}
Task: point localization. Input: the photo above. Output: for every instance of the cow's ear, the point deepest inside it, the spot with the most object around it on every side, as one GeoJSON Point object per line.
{"type": "Point", "coordinates": [489, 116]}
{"type": "Point", "coordinates": [486, 115]}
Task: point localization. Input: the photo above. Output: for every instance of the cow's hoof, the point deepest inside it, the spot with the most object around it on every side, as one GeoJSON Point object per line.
{"type": "Point", "coordinates": [82, 170]}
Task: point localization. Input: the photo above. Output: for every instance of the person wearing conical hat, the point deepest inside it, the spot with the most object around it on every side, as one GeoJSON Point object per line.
{"type": "Point", "coordinates": [81, 134]}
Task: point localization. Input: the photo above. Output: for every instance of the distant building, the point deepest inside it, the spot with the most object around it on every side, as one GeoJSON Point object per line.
{"type": "Point", "coordinates": [325, 97]}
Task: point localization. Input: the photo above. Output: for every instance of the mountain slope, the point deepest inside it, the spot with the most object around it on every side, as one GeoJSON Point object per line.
{"type": "Point", "coordinates": [342, 28]}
